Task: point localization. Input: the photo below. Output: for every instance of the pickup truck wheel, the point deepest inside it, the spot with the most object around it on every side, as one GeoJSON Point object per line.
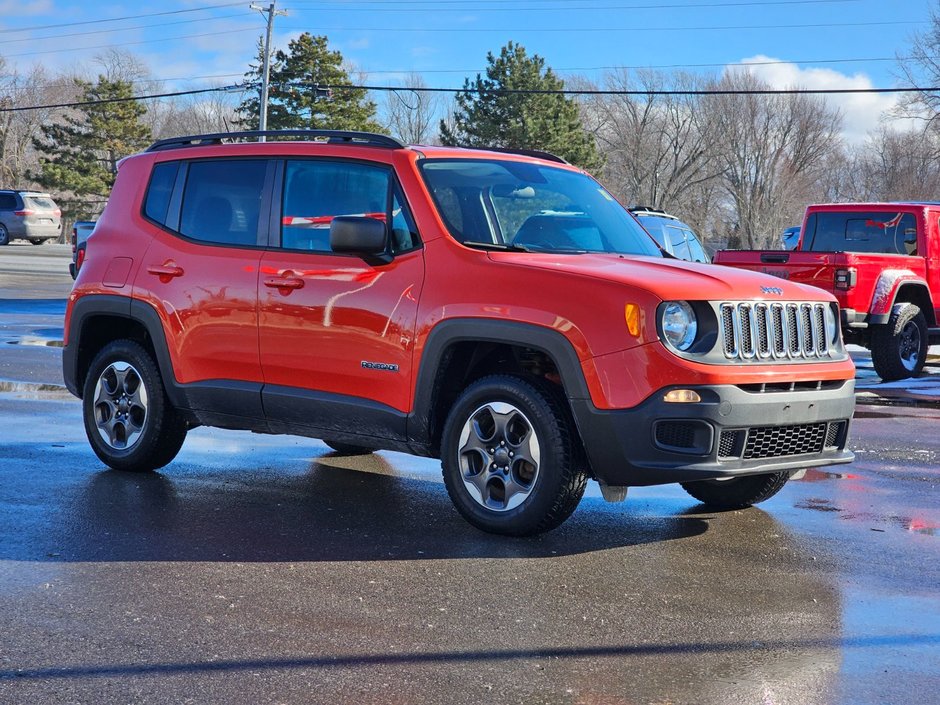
{"type": "Point", "coordinates": [4, 235]}
{"type": "Point", "coordinates": [128, 419]}
{"type": "Point", "coordinates": [738, 492]}
{"type": "Point", "coordinates": [348, 448]}
{"type": "Point", "coordinates": [899, 348]}
{"type": "Point", "coordinates": [511, 459]}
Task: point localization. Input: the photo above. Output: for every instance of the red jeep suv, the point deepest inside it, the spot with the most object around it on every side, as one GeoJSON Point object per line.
{"type": "Point", "coordinates": [498, 310]}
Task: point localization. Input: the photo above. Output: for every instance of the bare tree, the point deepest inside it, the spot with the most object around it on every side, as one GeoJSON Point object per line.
{"type": "Point", "coordinates": [412, 114]}
{"type": "Point", "coordinates": [773, 149]}
{"type": "Point", "coordinates": [920, 67]}
{"type": "Point", "coordinates": [657, 147]}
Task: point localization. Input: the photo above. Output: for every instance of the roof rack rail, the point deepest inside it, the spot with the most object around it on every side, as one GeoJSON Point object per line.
{"type": "Point", "coordinates": [340, 136]}
{"type": "Point", "coordinates": [537, 153]}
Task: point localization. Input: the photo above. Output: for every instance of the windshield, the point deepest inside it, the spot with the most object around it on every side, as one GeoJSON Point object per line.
{"type": "Point", "coordinates": [532, 207]}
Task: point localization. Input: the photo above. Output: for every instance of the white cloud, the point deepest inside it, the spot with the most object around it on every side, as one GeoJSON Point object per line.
{"type": "Point", "coordinates": [861, 112]}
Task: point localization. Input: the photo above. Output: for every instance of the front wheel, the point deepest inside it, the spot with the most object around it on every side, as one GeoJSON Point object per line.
{"type": "Point", "coordinates": [129, 421]}
{"type": "Point", "coordinates": [899, 348]}
{"type": "Point", "coordinates": [511, 459]}
{"type": "Point", "coordinates": [737, 492]}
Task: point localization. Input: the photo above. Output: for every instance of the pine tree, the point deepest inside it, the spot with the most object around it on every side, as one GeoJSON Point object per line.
{"type": "Point", "coordinates": [489, 115]}
{"type": "Point", "coordinates": [82, 150]}
{"type": "Point", "coordinates": [294, 101]}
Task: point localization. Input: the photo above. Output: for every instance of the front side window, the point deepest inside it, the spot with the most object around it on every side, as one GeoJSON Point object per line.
{"type": "Point", "coordinates": [317, 191]}
{"type": "Point", "coordinates": [222, 201]}
{"type": "Point", "coordinates": [532, 207]}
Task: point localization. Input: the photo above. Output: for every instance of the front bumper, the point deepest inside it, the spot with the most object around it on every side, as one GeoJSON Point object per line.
{"type": "Point", "coordinates": [732, 431]}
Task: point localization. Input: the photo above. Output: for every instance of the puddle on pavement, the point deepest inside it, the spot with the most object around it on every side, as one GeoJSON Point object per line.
{"type": "Point", "coordinates": [31, 390]}
{"type": "Point", "coordinates": [816, 475]}
{"type": "Point", "coordinates": [38, 342]}
{"type": "Point", "coordinates": [819, 505]}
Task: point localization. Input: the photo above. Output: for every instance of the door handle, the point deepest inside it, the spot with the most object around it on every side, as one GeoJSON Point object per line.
{"type": "Point", "coordinates": [284, 283]}
{"type": "Point", "coordinates": [165, 271]}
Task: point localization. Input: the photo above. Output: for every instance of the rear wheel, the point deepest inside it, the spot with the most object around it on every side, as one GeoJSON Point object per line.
{"type": "Point", "coordinates": [737, 492]}
{"type": "Point", "coordinates": [128, 419]}
{"type": "Point", "coordinates": [4, 235]}
{"type": "Point", "coordinates": [35, 241]}
{"type": "Point", "coordinates": [899, 348]}
{"type": "Point", "coordinates": [347, 448]}
{"type": "Point", "coordinates": [512, 461]}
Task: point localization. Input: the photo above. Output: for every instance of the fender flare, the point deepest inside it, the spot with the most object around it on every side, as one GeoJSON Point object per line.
{"type": "Point", "coordinates": [885, 294]}
{"type": "Point", "coordinates": [457, 330]}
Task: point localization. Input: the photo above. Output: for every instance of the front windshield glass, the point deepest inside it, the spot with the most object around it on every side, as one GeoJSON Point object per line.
{"type": "Point", "coordinates": [531, 207]}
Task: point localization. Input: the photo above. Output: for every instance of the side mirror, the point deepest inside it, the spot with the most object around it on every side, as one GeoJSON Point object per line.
{"type": "Point", "coordinates": [357, 235]}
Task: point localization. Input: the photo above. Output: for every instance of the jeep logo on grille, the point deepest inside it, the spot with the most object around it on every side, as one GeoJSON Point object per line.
{"type": "Point", "coordinates": [776, 290]}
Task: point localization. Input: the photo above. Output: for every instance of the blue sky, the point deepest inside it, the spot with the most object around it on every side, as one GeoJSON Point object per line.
{"type": "Point", "coordinates": [826, 43]}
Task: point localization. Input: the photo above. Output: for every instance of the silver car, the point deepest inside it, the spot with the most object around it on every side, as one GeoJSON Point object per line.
{"type": "Point", "coordinates": [28, 215]}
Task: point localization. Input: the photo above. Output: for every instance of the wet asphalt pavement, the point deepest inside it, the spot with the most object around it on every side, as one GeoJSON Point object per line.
{"type": "Point", "coordinates": [259, 569]}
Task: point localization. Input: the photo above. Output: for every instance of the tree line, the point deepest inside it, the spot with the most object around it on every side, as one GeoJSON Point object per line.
{"type": "Point", "coordinates": [737, 165]}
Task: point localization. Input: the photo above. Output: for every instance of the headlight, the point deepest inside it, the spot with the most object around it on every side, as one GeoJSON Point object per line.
{"type": "Point", "coordinates": [679, 324]}
{"type": "Point", "coordinates": [832, 327]}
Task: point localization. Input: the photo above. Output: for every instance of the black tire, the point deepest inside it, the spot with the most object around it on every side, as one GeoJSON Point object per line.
{"type": "Point", "coordinates": [545, 493]}
{"type": "Point", "coordinates": [738, 492]}
{"type": "Point", "coordinates": [4, 235]}
{"type": "Point", "coordinates": [899, 348]}
{"type": "Point", "coordinates": [161, 429]}
{"type": "Point", "coordinates": [39, 241]}
{"type": "Point", "coordinates": [348, 448]}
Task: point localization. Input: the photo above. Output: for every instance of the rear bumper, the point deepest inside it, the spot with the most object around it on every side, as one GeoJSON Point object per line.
{"type": "Point", "coordinates": [860, 320]}
{"type": "Point", "coordinates": [35, 231]}
{"type": "Point", "coordinates": [731, 432]}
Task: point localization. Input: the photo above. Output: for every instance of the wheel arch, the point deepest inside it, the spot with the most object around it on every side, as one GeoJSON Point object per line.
{"type": "Point", "coordinates": [98, 319]}
{"type": "Point", "coordinates": [918, 294]}
{"type": "Point", "coordinates": [458, 351]}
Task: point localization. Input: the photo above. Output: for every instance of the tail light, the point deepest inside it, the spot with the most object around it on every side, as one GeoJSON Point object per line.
{"type": "Point", "coordinates": [79, 259]}
{"type": "Point", "coordinates": [845, 279]}
{"type": "Point", "coordinates": [74, 238]}
{"type": "Point", "coordinates": [25, 211]}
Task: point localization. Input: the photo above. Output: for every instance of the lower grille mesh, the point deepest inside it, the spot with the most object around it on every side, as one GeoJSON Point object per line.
{"type": "Point", "coordinates": [780, 441]}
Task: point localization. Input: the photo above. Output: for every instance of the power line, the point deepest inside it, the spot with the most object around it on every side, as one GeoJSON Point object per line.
{"type": "Point", "coordinates": [506, 91]}
{"type": "Point", "coordinates": [474, 5]}
{"type": "Point", "coordinates": [127, 44]}
{"type": "Point", "coordinates": [120, 29]}
{"type": "Point", "coordinates": [573, 30]}
{"type": "Point", "coordinates": [119, 19]}
{"type": "Point", "coordinates": [560, 8]}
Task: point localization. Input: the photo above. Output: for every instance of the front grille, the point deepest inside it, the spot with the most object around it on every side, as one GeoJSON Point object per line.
{"type": "Point", "coordinates": [780, 441]}
{"type": "Point", "coordinates": [774, 331]}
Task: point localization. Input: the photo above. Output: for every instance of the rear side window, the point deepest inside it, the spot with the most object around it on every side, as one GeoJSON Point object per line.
{"type": "Point", "coordinates": [317, 191]}
{"type": "Point", "coordinates": [7, 202]}
{"type": "Point", "coordinates": [878, 232]}
{"type": "Point", "coordinates": [159, 191]}
{"type": "Point", "coordinates": [222, 201]}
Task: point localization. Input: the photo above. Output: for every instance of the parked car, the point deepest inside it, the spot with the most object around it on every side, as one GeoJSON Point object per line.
{"type": "Point", "coordinates": [81, 229]}
{"type": "Point", "coordinates": [880, 260]}
{"type": "Point", "coordinates": [674, 236]}
{"type": "Point", "coordinates": [500, 311]}
{"type": "Point", "coordinates": [28, 215]}
{"type": "Point", "coordinates": [791, 237]}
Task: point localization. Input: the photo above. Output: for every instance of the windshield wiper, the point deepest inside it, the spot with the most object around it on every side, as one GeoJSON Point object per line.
{"type": "Point", "coordinates": [498, 246]}
{"type": "Point", "coordinates": [506, 247]}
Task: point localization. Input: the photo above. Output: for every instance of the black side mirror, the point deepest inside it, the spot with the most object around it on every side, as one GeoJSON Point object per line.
{"type": "Point", "coordinates": [358, 235]}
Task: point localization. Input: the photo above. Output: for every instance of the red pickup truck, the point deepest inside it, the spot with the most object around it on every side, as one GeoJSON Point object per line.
{"type": "Point", "coordinates": [882, 263]}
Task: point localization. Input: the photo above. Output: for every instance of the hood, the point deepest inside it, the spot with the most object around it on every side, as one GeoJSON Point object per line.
{"type": "Point", "coordinates": [670, 279]}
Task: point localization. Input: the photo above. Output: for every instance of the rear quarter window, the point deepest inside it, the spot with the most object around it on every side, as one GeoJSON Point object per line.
{"type": "Point", "coordinates": [157, 201]}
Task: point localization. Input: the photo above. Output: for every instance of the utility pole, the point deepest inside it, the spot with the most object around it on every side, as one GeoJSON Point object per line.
{"type": "Point", "coordinates": [271, 12]}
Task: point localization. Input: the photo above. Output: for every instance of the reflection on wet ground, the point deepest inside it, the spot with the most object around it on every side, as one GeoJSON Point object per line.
{"type": "Point", "coordinates": [269, 568]}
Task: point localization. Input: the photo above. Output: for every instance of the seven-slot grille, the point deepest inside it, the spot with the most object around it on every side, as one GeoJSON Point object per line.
{"type": "Point", "coordinates": [774, 331]}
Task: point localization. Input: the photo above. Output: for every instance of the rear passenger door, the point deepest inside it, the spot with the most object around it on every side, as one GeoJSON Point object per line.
{"type": "Point", "coordinates": [337, 331]}
{"type": "Point", "coordinates": [209, 224]}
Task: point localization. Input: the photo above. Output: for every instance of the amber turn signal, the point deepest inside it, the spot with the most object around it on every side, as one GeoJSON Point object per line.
{"type": "Point", "coordinates": [631, 314]}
